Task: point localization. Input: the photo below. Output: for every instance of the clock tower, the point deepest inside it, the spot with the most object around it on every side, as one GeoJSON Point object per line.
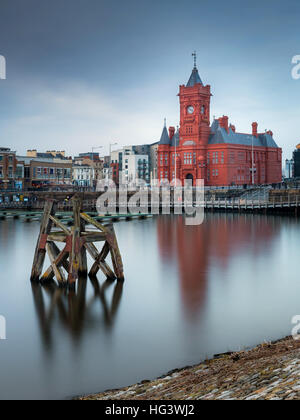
{"type": "Point", "coordinates": [194, 111]}
{"type": "Point", "coordinates": [217, 154]}
{"type": "Point", "coordinates": [194, 124]}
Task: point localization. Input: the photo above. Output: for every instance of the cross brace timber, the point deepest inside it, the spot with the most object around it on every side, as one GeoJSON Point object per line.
{"type": "Point", "coordinates": [68, 264]}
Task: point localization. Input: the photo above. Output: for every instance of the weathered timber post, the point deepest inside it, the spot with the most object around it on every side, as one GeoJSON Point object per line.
{"type": "Point", "coordinates": [110, 246]}
{"type": "Point", "coordinates": [115, 252]}
{"type": "Point", "coordinates": [78, 259]}
{"type": "Point", "coordinates": [40, 252]}
{"type": "Point", "coordinates": [72, 260]}
{"type": "Point", "coordinates": [83, 268]}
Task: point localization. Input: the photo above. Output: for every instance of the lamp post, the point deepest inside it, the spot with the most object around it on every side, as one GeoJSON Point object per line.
{"type": "Point", "coordinates": [253, 179]}
{"type": "Point", "coordinates": [176, 160]}
{"type": "Point", "coordinates": [95, 148]}
{"type": "Point", "coordinates": [110, 146]}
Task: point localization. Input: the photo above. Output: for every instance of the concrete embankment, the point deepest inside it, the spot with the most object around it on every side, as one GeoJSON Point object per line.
{"type": "Point", "coordinates": [270, 371]}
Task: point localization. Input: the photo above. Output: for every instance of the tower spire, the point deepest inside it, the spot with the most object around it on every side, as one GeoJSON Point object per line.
{"type": "Point", "coordinates": [194, 55]}
{"type": "Point", "coordinates": [195, 78]}
{"type": "Point", "coordinates": [165, 139]}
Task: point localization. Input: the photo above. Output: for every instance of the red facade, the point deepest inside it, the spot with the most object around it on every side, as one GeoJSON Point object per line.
{"type": "Point", "coordinates": [215, 153]}
{"type": "Point", "coordinates": [115, 172]}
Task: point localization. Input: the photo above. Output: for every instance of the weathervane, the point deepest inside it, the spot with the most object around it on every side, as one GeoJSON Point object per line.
{"type": "Point", "coordinates": [195, 58]}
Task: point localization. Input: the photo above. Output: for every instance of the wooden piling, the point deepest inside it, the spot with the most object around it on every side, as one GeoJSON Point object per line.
{"type": "Point", "coordinates": [40, 252]}
{"type": "Point", "coordinates": [72, 259]}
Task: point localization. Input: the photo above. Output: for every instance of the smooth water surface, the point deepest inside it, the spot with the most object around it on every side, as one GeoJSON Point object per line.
{"type": "Point", "coordinates": [190, 292]}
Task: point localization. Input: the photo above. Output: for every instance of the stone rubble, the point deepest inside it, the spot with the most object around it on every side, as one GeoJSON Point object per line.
{"type": "Point", "coordinates": [270, 371]}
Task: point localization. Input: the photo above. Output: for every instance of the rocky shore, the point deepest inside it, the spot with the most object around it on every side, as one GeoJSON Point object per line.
{"type": "Point", "coordinates": [270, 371]}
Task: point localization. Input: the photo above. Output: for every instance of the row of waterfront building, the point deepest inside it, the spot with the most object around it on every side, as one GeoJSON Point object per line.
{"type": "Point", "coordinates": [128, 164]}
{"type": "Point", "coordinates": [54, 169]}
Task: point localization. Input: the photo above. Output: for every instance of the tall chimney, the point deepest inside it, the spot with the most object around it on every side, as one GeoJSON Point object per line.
{"type": "Point", "coordinates": [254, 129]}
{"type": "Point", "coordinates": [224, 123]}
{"type": "Point", "coordinates": [32, 153]}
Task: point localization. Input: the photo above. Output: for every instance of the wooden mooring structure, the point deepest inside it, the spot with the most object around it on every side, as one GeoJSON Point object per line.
{"type": "Point", "coordinates": [68, 264]}
{"type": "Point", "coordinates": [67, 217]}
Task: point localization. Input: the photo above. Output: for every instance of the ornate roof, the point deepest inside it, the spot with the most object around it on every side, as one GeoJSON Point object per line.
{"type": "Point", "coordinates": [219, 135]}
{"type": "Point", "coordinates": [194, 79]}
{"type": "Point", "coordinates": [165, 139]}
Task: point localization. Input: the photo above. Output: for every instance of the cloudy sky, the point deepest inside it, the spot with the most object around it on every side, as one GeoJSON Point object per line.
{"type": "Point", "coordinates": [84, 73]}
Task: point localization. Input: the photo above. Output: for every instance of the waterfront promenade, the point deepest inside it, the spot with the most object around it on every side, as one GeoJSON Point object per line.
{"type": "Point", "coordinates": [258, 200]}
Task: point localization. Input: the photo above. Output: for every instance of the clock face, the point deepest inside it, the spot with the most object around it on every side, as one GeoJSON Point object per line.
{"type": "Point", "coordinates": [190, 110]}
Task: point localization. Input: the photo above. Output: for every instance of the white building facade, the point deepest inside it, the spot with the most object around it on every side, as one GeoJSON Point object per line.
{"type": "Point", "coordinates": [83, 175]}
{"type": "Point", "coordinates": [135, 167]}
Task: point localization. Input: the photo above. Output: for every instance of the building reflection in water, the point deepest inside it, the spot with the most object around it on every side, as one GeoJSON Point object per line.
{"type": "Point", "coordinates": [187, 247]}
{"type": "Point", "coordinates": [195, 249]}
{"type": "Point", "coordinates": [74, 309]}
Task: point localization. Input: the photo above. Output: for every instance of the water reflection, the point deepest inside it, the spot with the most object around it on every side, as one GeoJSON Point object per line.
{"type": "Point", "coordinates": [191, 292]}
{"type": "Point", "coordinates": [188, 247]}
{"type": "Point", "coordinates": [198, 249]}
{"type": "Point", "coordinates": [74, 308]}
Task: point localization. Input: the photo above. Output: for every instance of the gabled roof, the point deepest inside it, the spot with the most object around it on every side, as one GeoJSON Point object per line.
{"type": "Point", "coordinates": [194, 79]}
{"type": "Point", "coordinates": [165, 139]}
{"type": "Point", "coordinates": [219, 135]}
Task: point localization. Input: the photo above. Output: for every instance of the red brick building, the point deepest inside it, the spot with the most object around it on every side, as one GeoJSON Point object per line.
{"type": "Point", "coordinates": [216, 153]}
{"type": "Point", "coordinates": [115, 172]}
{"type": "Point", "coordinates": [8, 168]}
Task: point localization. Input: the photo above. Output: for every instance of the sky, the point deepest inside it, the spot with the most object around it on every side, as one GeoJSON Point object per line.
{"type": "Point", "coordinates": [86, 73]}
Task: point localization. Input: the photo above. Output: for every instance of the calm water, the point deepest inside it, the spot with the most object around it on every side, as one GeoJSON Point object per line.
{"type": "Point", "coordinates": [190, 292]}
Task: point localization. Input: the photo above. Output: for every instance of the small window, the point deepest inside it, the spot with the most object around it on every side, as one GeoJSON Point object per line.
{"type": "Point", "coordinates": [222, 157]}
